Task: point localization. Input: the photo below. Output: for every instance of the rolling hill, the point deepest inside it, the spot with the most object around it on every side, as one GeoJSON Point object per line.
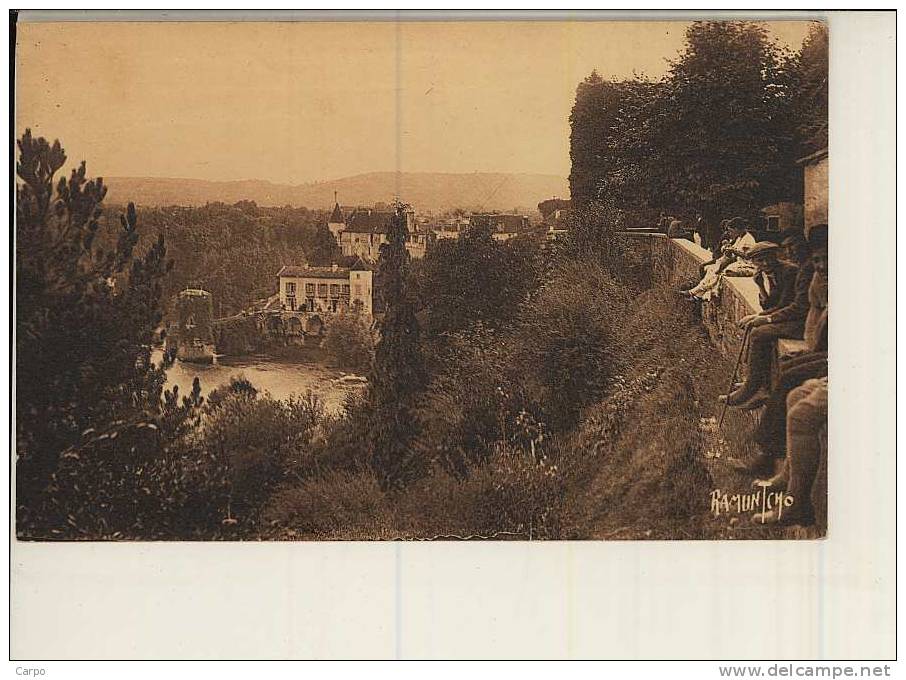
{"type": "Point", "coordinates": [426, 191]}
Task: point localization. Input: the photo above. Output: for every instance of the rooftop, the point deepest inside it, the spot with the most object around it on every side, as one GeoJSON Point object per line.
{"type": "Point", "coordinates": [368, 221]}
{"type": "Point", "coordinates": [314, 272]}
{"type": "Point", "coordinates": [337, 214]}
{"type": "Point", "coordinates": [500, 222]}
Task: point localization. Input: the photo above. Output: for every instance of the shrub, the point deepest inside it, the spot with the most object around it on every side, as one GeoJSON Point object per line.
{"type": "Point", "coordinates": [463, 410]}
{"type": "Point", "coordinates": [238, 384]}
{"type": "Point", "coordinates": [335, 505]}
{"type": "Point", "coordinates": [261, 443]}
{"type": "Point", "coordinates": [475, 279]}
{"type": "Point", "coordinates": [519, 494]}
{"type": "Point", "coordinates": [510, 495]}
{"type": "Point", "coordinates": [566, 342]}
{"type": "Point", "coordinates": [594, 234]}
{"type": "Point", "coordinates": [350, 342]}
{"type": "Point", "coordinates": [339, 443]}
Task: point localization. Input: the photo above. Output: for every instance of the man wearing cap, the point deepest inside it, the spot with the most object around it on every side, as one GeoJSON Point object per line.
{"type": "Point", "coordinates": [771, 433]}
{"type": "Point", "coordinates": [795, 250]}
{"type": "Point", "coordinates": [778, 282]}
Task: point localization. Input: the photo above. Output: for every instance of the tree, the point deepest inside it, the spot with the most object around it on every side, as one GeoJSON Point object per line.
{"type": "Point", "coordinates": [589, 120]}
{"type": "Point", "coordinates": [85, 315]}
{"type": "Point", "coordinates": [320, 246]}
{"type": "Point", "coordinates": [398, 375]}
{"type": "Point", "coordinates": [718, 135]}
{"type": "Point", "coordinates": [810, 94]}
{"type": "Point", "coordinates": [475, 279]}
{"type": "Point", "coordinates": [349, 341]}
{"type": "Point", "coordinates": [605, 116]}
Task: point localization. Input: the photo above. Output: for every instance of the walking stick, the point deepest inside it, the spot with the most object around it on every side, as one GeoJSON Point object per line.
{"type": "Point", "coordinates": [742, 348]}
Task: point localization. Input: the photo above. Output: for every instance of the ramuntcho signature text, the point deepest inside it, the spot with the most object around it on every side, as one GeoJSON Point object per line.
{"type": "Point", "coordinates": [762, 500]}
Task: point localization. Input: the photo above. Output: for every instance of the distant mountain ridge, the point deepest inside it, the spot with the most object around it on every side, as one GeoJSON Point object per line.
{"type": "Point", "coordinates": [424, 190]}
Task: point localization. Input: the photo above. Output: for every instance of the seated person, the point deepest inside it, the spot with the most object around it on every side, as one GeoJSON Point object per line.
{"type": "Point", "coordinates": [679, 229]}
{"type": "Point", "coordinates": [699, 231]}
{"type": "Point", "coordinates": [806, 416]}
{"type": "Point", "coordinates": [770, 435]}
{"type": "Point", "coordinates": [731, 262]}
{"type": "Point", "coordinates": [663, 223]}
{"type": "Point", "coordinates": [719, 238]}
{"type": "Point", "coordinates": [796, 250]}
{"type": "Point", "coordinates": [784, 294]}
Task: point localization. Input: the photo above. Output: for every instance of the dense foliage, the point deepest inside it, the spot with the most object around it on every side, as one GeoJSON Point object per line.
{"type": "Point", "coordinates": [235, 251]}
{"type": "Point", "coordinates": [475, 279]}
{"type": "Point", "coordinates": [350, 342]}
{"type": "Point", "coordinates": [85, 315]}
{"type": "Point", "coordinates": [717, 135]}
{"type": "Point", "coordinates": [810, 91]}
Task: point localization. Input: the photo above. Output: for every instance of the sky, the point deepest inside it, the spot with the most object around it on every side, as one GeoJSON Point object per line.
{"type": "Point", "coordinates": [295, 102]}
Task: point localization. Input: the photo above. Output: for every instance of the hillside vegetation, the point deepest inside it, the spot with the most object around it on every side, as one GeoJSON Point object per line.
{"type": "Point", "coordinates": [232, 251]}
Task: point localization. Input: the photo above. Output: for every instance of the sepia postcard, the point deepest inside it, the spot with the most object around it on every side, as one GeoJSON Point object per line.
{"type": "Point", "coordinates": [421, 280]}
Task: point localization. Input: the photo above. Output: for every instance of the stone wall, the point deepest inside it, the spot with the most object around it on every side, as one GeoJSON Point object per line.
{"type": "Point", "coordinates": [815, 178]}
{"type": "Point", "coordinates": [676, 262]}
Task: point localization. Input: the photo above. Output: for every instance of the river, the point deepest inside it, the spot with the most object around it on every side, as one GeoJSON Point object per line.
{"type": "Point", "coordinates": [279, 378]}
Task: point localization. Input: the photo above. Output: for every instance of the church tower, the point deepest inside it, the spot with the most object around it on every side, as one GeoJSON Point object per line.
{"type": "Point", "coordinates": [336, 222]}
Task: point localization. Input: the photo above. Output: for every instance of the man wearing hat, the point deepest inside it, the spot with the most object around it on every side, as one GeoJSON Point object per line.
{"type": "Point", "coordinates": [777, 281]}
{"type": "Point", "coordinates": [795, 250]}
{"type": "Point", "coordinates": [771, 433]}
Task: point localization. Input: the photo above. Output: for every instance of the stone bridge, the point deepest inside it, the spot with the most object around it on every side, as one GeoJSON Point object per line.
{"type": "Point", "coordinates": [269, 326]}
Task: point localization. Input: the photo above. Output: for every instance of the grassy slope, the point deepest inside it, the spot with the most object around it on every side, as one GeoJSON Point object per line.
{"type": "Point", "coordinates": [641, 464]}
{"type": "Point", "coordinates": [654, 465]}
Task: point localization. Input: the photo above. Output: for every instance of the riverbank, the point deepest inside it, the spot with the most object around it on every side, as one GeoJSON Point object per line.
{"type": "Point", "coordinates": [294, 372]}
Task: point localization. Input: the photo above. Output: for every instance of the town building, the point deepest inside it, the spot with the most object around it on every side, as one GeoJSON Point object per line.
{"type": "Point", "coordinates": [503, 226]}
{"type": "Point", "coordinates": [778, 217]}
{"type": "Point", "coordinates": [450, 228]}
{"type": "Point", "coordinates": [557, 223]}
{"type": "Point", "coordinates": [327, 289]}
{"type": "Point", "coordinates": [361, 232]}
{"type": "Point", "coordinates": [336, 222]}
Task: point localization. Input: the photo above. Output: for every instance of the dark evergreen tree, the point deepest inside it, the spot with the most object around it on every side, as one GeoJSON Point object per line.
{"type": "Point", "coordinates": [85, 315]}
{"type": "Point", "coordinates": [398, 376]}
{"type": "Point", "coordinates": [321, 247]}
